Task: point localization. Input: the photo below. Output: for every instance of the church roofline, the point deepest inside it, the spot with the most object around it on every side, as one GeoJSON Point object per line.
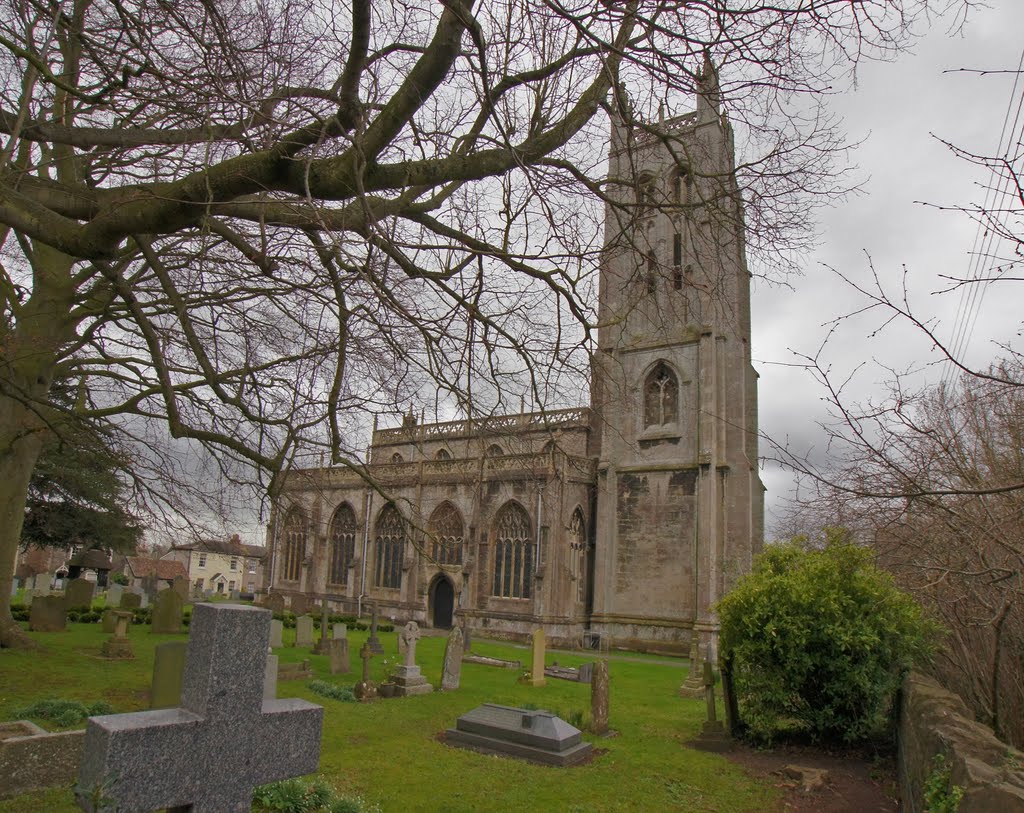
{"type": "Point", "coordinates": [494, 425]}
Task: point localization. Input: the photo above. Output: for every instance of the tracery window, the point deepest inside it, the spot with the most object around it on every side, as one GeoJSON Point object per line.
{"type": "Point", "coordinates": [578, 553]}
{"type": "Point", "coordinates": [389, 546]}
{"type": "Point", "coordinates": [397, 458]}
{"type": "Point", "coordinates": [661, 396]}
{"type": "Point", "coordinates": [494, 450]}
{"type": "Point", "coordinates": [446, 531]}
{"type": "Point", "coordinates": [513, 553]}
{"type": "Point", "coordinates": [443, 454]}
{"type": "Point", "coordinates": [343, 543]}
{"type": "Point", "coordinates": [295, 530]}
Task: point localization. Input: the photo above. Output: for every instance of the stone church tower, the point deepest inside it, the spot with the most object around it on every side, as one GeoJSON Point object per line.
{"type": "Point", "coordinates": [679, 500]}
{"type": "Point", "coordinates": [620, 524]}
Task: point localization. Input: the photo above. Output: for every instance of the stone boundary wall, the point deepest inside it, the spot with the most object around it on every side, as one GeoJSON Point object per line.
{"type": "Point", "coordinates": [935, 721]}
{"type": "Point", "coordinates": [31, 758]}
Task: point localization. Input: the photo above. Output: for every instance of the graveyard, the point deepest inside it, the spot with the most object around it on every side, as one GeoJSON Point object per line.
{"type": "Point", "coordinates": [391, 752]}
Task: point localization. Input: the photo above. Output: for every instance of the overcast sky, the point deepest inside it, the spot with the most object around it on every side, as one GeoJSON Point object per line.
{"type": "Point", "coordinates": [898, 108]}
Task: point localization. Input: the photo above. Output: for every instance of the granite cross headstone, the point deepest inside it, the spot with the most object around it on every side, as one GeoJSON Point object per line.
{"type": "Point", "coordinates": [209, 754]}
{"type": "Point", "coordinates": [407, 678]}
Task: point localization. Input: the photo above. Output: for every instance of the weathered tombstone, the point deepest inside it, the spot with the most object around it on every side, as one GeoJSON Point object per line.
{"type": "Point", "coordinates": [43, 584]}
{"type": "Point", "coordinates": [130, 600]}
{"type": "Point", "coordinates": [693, 686]}
{"type": "Point", "coordinates": [303, 631]}
{"type": "Point", "coordinates": [452, 671]}
{"type": "Point", "coordinates": [114, 593]}
{"type": "Point", "coordinates": [407, 678]}
{"type": "Point", "coordinates": [364, 689]}
{"type": "Point", "coordinates": [223, 740]}
{"type": "Point", "coordinates": [107, 620]}
{"type": "Point", "coordinates": [586, 672]}
{"type": "Point", "coordinates": [119, 645]}
{"type": "Point", "coordinates": [167, 612]}
{"type": "Point", "coordinates": [537, 675]}
{"type": "Point", "coordinates": [300, 604]}
{"type": "Point", "coordinates": [599, 698]}
{"type": "Point", "coordinates": [276, 633]}
{"type": "Point", "coordinates": [337, 648]}
{"type": "Point", "coordinates": [48, 614]}
{"type": "Point", "coordinates": [168, 668]}
{"type": "Point", "coordinates": [321, 644]}
{"type": "Point", "coordinates": [275, 603]}
{"type": "Point", "coordinates": [78, 593]}
{"type": "Point", "coordinates": [713, 736]}
{"type": "Point", "coordinates": [373, 641]}
{"type": "Point", "coordinates": [339, 631]}
{"type": "Point", "coordinates": [467, 641]}
{"type": "Point", "coordinates": [180, 586]}
{"type": "Point", "coordinates": [537, 736]}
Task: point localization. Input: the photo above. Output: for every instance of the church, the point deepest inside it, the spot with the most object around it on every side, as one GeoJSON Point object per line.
{"type": "Point", "coordinates": [617, 525]}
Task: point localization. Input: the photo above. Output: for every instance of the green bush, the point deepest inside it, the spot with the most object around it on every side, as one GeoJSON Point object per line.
{"type": "Point", "coordinates": [302, 796]}
{"type": "Point", "coordinates": [64, 713]}
{"type": "Point", "coordinates": [819, 640]}
{"type": "Point", "coordinates": [939, 795]}
{"type": "Point", "coordinates": [332, 690]}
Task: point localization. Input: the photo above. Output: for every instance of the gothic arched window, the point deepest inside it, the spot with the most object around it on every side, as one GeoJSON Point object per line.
{"type": "Point", "coordinates": [661, 396]}
{"type": "Point", "coordinates": [443, 454]}
{"type": "Point", "coordinates": [647, 192]}
{"type": "Point", "coordinates": [494, 450]}
{"type": "Point", "coordinates": [578, 553]}
{"type": "Point", "coordinates": [513, 552]}
{"type": "Point", "coordinates": [446, 533]}
{"type": "Point", "coordinates": [295, 530]}
{"type": "Point", "coordinates": [397, 458]}
{"type": "Point", "coordinates": [389, 547]}
{"type": "Point", "coordinates": [343, 543]}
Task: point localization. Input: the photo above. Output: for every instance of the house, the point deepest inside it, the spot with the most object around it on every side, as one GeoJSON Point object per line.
{"type": "Point", "coordinates": [161, 573]}
{"type": "Point", "coordinates": [220, 566]}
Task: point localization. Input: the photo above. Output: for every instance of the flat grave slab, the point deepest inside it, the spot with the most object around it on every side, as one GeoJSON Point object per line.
{"type": "Point", "coordinates": [534, 735]}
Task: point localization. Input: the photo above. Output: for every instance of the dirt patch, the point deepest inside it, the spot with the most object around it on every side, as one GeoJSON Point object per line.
{"type": "Point", "coordinates": [857, 781]}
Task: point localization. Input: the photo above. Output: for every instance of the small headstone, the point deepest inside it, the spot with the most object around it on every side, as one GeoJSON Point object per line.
{"type": "Point", "coordinates": [407, 678]}
{"type": "Point", "coordinates": [119, 645]}
{"type": "Point", "coordinates": [364, 689]}
{"type": "Point", "coordinates": [180, 586]}
{"type": "Point", "coordinates": [275, 603]}
{"type": "Point", "coordinates": [48, 614]}
{"type": "Point", "coordinates": [537, 736]}
{"type": "Point", "coordinates": [78, 593]}
{"type": "Point", "coordinates": [537, 675]}
{"type": "Point", "coordinates": [337, 648]}
{"type": "Point", "coordinates": [276, 633]}
{"type": "Point", "coordinates": [43, 584]}
{"type": "Point", "coordinates": [167, 612]}
{"type": "Point", "coordinates": [586, 672]}
{"type": "Point", "coordinates": [452, 671]}
{"type": "Point", "coordinates": [168, 668]}
{"type": "Point", "coordinates": [114, 593]}
{"type": "Point", "coordinates": [130, 600]}
{"type": "Point", "coordinates": [107, 620]}
{"type": "Point", "coordinates": [300, 604]}
{"type": "Point", "coordinates": [599, 698]}
{"type": "Point", "coordinates": [340, 632]}
{"type": "Point", "coordinates": [303, 631]}
{"type": "Point", "coordinates": [373, 641]}
{"type": "Point", "coordinates": [224, 739]}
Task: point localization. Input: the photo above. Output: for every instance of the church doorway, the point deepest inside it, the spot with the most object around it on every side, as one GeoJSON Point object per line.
{"type": "Point", "coordinates": [442, 600]}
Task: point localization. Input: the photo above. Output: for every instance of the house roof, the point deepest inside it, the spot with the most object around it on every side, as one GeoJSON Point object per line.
{"type": "Point", "coordinates": [165, 569]}
{"type": "Point", "coordinates": [228, 547]}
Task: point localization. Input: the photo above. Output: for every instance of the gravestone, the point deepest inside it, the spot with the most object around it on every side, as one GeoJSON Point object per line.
{"type": "Point", "coordinates": [167, 612]}
{"type": "Point", "coordinates": [693, 686]}
{"type": "Point", "coordinates": [130, 599]}
{"type": "Point", "coordinates": [321, 645]}
{"type": "Point", "coordinates": [373, 641]}
{"type": "Point", "coordinates": [300, 604]}
{"type": "Point", "coordinates": [340, 632]}
{"type": "Point", "coordinates": [337, 648]}
{"type": "Point", "coordinates": [452, 671]}
{"type": "Point", "coordinates": [276, 633]}
{"type": "Point", "coordinates": [43, 584]}
{"type": "Point", "coordinates": [78, 593]}
{"type": "Point", "coordinates": [48, 614]}
{"type": "Point", "coordinates": [107, 620]}
{"type": "Point", "coordinates": [537, 675]}
{"type": "Point", "coordinates": [168, 668]}
{"type": "Point", "coordinates": [114, 593]}
{"type": "Point", "coordinates": [713, 736]}
{"type": "Point", "coordinates": [599, 698]}
{"type": "Point", "coordinates": [209, 754]}
{"type": "Point", "coordinates": [407, 678]}
{"type": "Point", "coordinates": [180, 586]}
{"type": "Point", "coordinates": [275, 603]}
{"type": "Point", "coordinates": [536, 736]}
{"type": "Point", "coordinates": [303, 631]}
{"type": "Point", "coordinates": [119, 645]}
{"type": "Point", "coordinates": [365, 689]}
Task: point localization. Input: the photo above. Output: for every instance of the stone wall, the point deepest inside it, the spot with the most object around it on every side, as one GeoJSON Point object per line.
{"type": "Point", "coordinates": [31, 758]}
{"type": "Point", "coordinates": [935, 721]}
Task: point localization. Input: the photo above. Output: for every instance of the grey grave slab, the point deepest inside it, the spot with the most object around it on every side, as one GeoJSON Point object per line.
{"type": "Point", "coordinates": [207, 755]}
{"type": "Point", "coordinates": [304, 631]}
{"type": "Point", "coordinates": [340, 631]}
{"type": "Point", "coordinates": [536, 736]}
{"type": "Point", "coordinates": [276, 633]}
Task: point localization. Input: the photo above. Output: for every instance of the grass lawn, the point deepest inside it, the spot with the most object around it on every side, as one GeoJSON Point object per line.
{"type": "Point", "coordinates": [388, 752]}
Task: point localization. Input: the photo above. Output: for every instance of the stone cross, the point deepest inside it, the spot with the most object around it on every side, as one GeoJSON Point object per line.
{"type": "Point", "coordinates": [713, 736]}
{"type": "Point", "coordinates": [209, 754]}
{"type": "Point", "coordinates": [373, 641]}
{"type": "Point", "coordinates": [410, 635]}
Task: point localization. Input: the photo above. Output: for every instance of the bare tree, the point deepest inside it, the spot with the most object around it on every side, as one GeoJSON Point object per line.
{"type": "Point", "coordinates": [255, 222]}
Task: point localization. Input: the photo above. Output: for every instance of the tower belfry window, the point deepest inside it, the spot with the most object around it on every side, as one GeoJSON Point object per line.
{"type": "Point", "coordinates": [661, 397]}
